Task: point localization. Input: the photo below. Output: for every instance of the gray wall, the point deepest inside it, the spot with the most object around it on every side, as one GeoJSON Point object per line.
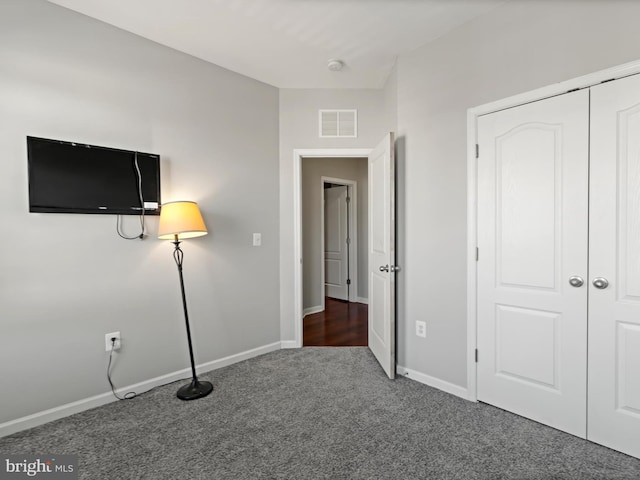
{"type": "Point", "coordinates": [520, 46]}
{"type": "Point", "coordinates": [299, 130]}
{"type": "Point", "coordinates": [390, 100]}
{"type": "Point", "coordinates": [313, 169]}
{"type": "Point", "coordinates": [66, 280]}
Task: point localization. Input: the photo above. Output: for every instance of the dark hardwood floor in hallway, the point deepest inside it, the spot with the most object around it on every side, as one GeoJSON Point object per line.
{"type": "Point", "coordinates": [342, 324]}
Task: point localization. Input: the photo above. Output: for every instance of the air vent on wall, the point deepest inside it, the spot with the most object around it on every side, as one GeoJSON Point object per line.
{"type": "Point", "coordinates": [338, 123]}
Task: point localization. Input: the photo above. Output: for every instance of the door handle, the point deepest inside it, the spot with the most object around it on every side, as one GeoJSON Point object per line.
{"type": "Point", "coordinates": [576, 281]}
{"type": "Point", "coordinates": [600, 282]}
{"type": "Point", "coordinates": [389, 268]}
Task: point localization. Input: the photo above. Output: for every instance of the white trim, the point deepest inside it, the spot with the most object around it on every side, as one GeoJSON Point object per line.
{"type": "Point", "coordinates": [353, 227]}
{"type": "Point", "coordinates": [78, 406]}
{"type": "Point", "coordinates": [298, 155]}
{"type": "Point", "coordinates": [286, 344]}
{"type": "Point", "coordinates": [451, 388]}
{"type": "Point", "coordinates": [472, 242]}
{"type": "Point", "coordinates": [312, 310]}
{"type": "Point", "coordinates": [363, 300]}
{"type": "Point", "coordinates": [631, 68]}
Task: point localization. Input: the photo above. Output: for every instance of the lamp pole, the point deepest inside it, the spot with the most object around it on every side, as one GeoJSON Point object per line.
{"type": "Point", "coordinates": [195, 389]}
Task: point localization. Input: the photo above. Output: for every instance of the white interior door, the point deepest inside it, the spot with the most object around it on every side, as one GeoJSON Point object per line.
{"type": "Point", "coordinates": [614, 255]}
{"type": "Point", "coordinates": [336, 258]}
{"type": "Point", "coordinates": [532, 238]}
{"type": "Point", "coordinates": [382, 268]}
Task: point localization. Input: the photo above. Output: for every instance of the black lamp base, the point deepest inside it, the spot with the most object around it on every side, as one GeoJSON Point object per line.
{"type": "Point", "coordinates": [195, 389]}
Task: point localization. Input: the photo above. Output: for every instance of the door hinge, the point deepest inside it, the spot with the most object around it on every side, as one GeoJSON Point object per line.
{"type": "Point", "coordinates": [348, 199]}
{"type": "Point", "coordinates": [476, 355]}
{"type": "Point", "coordinates": [348, 240]}
{"type": "Point", "coordinates": [348, 281]}
{"type": "Point", "coordinates": [477, 151]}
{"type": "Point", "coordinates": [477, 254]}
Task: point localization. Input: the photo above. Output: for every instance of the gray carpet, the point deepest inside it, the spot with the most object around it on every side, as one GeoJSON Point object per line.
{"type": "Point", "coordinates": [315, 413]}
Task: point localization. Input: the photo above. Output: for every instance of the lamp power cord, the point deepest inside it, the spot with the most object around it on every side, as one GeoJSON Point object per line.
{"type": "Point", "coordinates": [129, 395]}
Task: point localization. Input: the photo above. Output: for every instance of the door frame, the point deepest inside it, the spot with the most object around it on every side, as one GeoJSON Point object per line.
{"type": "Point", "coordinates": [353, 236]}
{"type": "Point", "coordinates": [584, 81]}
{"type": "Point", "coordinates": [298, 156]}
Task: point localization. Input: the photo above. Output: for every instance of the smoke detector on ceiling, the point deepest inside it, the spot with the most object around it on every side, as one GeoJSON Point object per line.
{"type": "Point", "coordinates": [335, 65]}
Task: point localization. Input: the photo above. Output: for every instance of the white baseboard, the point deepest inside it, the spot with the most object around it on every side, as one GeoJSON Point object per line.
{"type": "Point", "coordinates": [231, 359]}
{"type": "Point", "coordinates": [451, 388]}
{"type": "Point", "coordinates": [62, 411]}
{"type": "Point", "coordinates": [363, 300]}
{"type": "Point", "coordinates": [312, 310]}
{"type": "Point", "coordinates": [289, 344]}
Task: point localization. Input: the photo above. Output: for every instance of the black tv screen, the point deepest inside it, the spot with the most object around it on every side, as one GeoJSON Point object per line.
{"type": "Point", "coordinates": [67, 177]}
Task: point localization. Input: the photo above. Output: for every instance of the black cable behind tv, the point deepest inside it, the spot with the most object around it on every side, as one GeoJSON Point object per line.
{"type": "Point", "coordinates": [67, 177]}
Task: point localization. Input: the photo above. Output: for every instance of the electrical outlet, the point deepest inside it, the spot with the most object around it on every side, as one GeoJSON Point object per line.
{"type": "Point", "coordinates": [108, 343]}
{"type": "Point", "coordinates": [257, 239]}
{"type": "Point", "coordinates": [421, 329]}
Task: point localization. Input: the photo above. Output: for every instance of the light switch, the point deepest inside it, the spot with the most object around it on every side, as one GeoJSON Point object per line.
{"type": "Point", "coordinates": [257, 239]}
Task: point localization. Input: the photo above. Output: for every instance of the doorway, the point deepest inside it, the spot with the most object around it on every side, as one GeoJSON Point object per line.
{"type": "Point", "coordinates": [339, 252]}
{"type": "Point", "coordinates": [334, 216]}
{"type": "Point", "coordinates": [381, 244]}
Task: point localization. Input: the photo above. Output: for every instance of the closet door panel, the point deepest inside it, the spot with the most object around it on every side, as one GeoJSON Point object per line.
{"type": "Point", "coordinates": [532, 237]}
{"type": "Point", "coordinates": [614, 311]}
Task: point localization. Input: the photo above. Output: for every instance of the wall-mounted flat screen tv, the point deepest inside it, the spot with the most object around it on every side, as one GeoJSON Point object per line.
{"type": "Point", "coordinates": [67, 177]}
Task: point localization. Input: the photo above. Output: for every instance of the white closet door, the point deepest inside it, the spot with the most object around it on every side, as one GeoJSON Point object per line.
{"type": "Point", "coordinates": [614, 311]}
{"type": "Point", "coordinates": [532, 237]}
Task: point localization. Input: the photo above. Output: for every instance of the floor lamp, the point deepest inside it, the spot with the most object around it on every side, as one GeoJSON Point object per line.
{"type": "Point", "coordinates": [180, 220]}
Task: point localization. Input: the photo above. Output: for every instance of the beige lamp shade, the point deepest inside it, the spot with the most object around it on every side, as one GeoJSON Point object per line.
{"type": "Point", "coordinates": [182, 219]}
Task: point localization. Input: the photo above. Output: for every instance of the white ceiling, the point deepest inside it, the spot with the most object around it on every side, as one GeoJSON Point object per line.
{"type": "Point", "coordinates": [287, 43]}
